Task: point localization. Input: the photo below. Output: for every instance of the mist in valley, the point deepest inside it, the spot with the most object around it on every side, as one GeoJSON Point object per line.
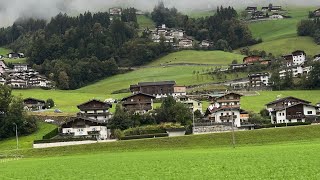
{"type": "Point", "coordinates": [10, 10]}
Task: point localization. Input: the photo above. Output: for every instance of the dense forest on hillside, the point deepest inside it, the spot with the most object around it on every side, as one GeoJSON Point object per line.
{"type": "Point", "coordinates": [75, 51]}
{"type": "Point", "coordinates": [310, 28]}
{"type": "Point", "coordinates": [223, 28]}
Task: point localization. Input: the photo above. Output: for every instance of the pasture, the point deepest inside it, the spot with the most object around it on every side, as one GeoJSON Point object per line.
{"type": "Point", "coordinates": [280, 36]}
{"type": "Point", "coordinates": [199, 57]}
{"type": "Point", "coordinates": [145, 22]}
{"type": "Point", "coordinates": [4, 51]}
{"type": "Point", "coordinates": [280, 153]}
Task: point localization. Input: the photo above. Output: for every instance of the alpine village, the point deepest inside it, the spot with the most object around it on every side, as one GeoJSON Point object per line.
{"type": "Point", "coordinates": [97, 79]}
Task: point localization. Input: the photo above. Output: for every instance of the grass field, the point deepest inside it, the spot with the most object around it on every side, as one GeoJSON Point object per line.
{"type": "Point", "coordinates": [4, 51]}
{"type": "Point", "coordinates": [27, 141]}
{"type": "Point", "coordinates": [280, 36]}
{"type": "Point", "coordinates": [256, 103]}
{"type": "Point", "coordinates": [281, 153]}
{"type": "Point", "coordinates": [199, 57]}
{"type": "Point", "coordinates": [145, 22]}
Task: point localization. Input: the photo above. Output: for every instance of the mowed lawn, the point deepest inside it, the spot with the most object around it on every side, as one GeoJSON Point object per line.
{"type": "Point", "coordinates": [256, 103]}
{"type": "Point", "coordinates": [4, 51]}
{"type": "Point", "coordinates": [145, 22]}
{"type": "Point", "coordinates": [280, 36]}
{"type": "Point", "coordinates": [199, 57]}
{"type": "Point", "coordinates": [280, 153]}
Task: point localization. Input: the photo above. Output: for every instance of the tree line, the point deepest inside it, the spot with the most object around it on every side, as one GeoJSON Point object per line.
{"type": "Point", "coordinates": [310, 27]}
{"type": "Point", "coordinates": [223, 28]}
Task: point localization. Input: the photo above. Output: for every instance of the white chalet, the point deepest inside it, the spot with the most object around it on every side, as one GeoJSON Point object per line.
{"type": "Point", "coordinates": [186, 43]}
{"type": "Point", "coordinates": [193, 105]}
{"type": "Point", "coordinates": [20, 67]}
{"type": "Point", "coordinates": [296, 71]}
{"type": "Point", "coordinates": [85, 127]}
{"type": "Point", "coordinates": [295, 59]}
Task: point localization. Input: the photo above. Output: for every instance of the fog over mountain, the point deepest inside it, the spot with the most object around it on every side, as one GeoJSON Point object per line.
{"type": "Point", "coordinates": [10, 10]}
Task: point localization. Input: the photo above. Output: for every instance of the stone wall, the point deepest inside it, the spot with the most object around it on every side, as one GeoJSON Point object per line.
{"type": "Point", "coordinates": [212, 129]}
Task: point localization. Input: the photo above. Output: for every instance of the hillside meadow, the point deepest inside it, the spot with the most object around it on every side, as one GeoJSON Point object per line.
{"type": "Point", "coordinates": [258, 154]}
{"type": "Point", "coordinates": [280, 36]}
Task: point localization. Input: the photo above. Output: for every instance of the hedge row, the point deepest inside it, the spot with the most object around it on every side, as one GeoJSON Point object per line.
{"type": "Point", "coordinates": [282, 125]}
{"type": "Point", "coordinates": [51, 134]}
{"type": "Point", "coordinates": [62, 140]}
{"type": "Point", "coordinates": [151, 129]}
{"type": "Point", "coordinates": [144, 136]}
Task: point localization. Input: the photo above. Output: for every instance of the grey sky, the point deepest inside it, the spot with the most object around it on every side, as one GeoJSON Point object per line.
{"type": "Point", "coordinates": [10, 10]}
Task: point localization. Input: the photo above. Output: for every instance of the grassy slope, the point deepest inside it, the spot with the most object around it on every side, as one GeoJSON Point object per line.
{"type": "Point", "coordinates": [256, 103]}
{"type": "Point", "coordinates": [27, 141]}
{"type": "Point", "coordinates": [145, 22]}
{"type": "Point", "coordinates": [4, 51]}
{"type": "Point", "coordinates": [280, 36]}
{"type": "Point", "coordinates": [199, 57]}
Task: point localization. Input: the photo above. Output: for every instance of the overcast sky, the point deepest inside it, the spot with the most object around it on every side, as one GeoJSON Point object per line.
{"type": "Point", "coordinates": [10, 10]}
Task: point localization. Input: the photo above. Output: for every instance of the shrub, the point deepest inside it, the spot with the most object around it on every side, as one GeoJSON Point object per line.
{"type": "Point", "coordinates": [151, 129]}
{"type": "Point", "coordinates": [49, 103]}
{"type": "Point", "coordinates": [144, 136]}
{"type": "Point", "coordinates": [282, 125]}
{"type": "Point", "coordinates": [62, 140]}
{"type": "Point", "coordinates": [118, 134]}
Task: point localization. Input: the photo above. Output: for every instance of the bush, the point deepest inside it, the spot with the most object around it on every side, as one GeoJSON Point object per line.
{"type": "Point", "coordinates": [118, 134]}
{"type": "Point", "coordinates": [49, 103]}
{"type": "Point", "coordinates": [282, 125]}
{"type": "Point", "coordinates": [51, 134]}
{"type": "Point", "coordinates": [144, 136]}
{"type": "Point", "coordinates": [151, 129]}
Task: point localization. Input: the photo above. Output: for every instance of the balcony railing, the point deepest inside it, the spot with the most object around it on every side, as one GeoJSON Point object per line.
{"type": "Point", "coordinates": [296, 116]}
{"type": "Point", "coordinates": [228, 117]}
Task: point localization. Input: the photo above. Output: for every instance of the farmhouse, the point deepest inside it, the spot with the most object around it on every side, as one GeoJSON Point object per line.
{"type": "Point", "coordinates": [259, 80]}
{"type": "Point", "coordinates": [258, 15]}
{"type": "Point", "coordinates": [80, 127]}
{"type": "Point", "coordinates": [138, 103]}
{"type": "Point", "coordinates": [186, 43]}
{"type": "Point", "coordinates": [296, 71]}
{"type": "Point", "coordinates": [115, 11]}
{"type": "Point", "coordinates": [226, 108]}
{"type": "Point", "coordinates": [15, 55]}
{"type": "Point", "coordinates": [32, 104]}
{"type": "Point", "coordinates": [276, 16]}
{"type": "Point", "coordinates": [251, 59]}
{"type": "Point", "coordinates": [3, 67]}
{"type": "Point", "coordinates": [295, 58]}
{"type": "Point", "coordinates": [95, 109]}
{"type": "Point", "coordinates": [17, 82]}
{"type": "Point", "coordinates": [251, 9]}
{"type": "Point", "coordinates": [291, 109]}
{"type": "Point", "coordinates": [275, 8]}
{"type": "Point", "coordinates": [193, 105]}
{"type": "Point", "coordinates": [316, 57]}
{"type": "Point", "coordinates": [2, 79]}
{"type": "Point", "coordinates": [20, 67]}
{"type": "Point", "coordinates": [316, 13]}
{"type": "Point", "coordinates": [158, 89]}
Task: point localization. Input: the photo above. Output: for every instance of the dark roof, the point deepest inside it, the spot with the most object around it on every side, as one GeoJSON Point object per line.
{"type": "Point", "coordinates": [85, 119]}
{"type": "Point", "coordinates": [265, 8]}
{"type": "Point", "coordinates": [318, 55]}
{"type": "Point", "coordinates": [282, 108]}
{"type": "Point", "coordinates": [297, 52]}
{"type": "Point", "coordinates": [140, 93]}
{"type": "Point", "coordinates": [30, 98]}
{"type": "Point", "coordinates": [283, 99]}
{"type": "Point", "coordinates": [156, 83]}
{"type": "Point", "coordinates": [106, 103]}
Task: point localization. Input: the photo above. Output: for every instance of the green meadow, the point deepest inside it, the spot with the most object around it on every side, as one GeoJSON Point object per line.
{"type": "Point", "coordinates": [145, 22]}
{"type": "Point", "coordinates": [199, 57]}
{"type": "Point", "coordinates": [4, 51]}
{"type": "Point", "coordinates": [280, 36]}
{"type": "Point", "coordinates": [278, 153]}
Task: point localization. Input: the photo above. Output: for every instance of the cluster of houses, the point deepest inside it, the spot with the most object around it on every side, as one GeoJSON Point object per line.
{"type": "Point", "coordinates": [177, 37]}
{"type": "Point", "coordinates": [294, 64]}
{"type": "Point", "coordinates": [269, 12]}
{"type": "Point", "coordinates": [22, 76]}
{"type": "Point", "coordinates": [316, 13]}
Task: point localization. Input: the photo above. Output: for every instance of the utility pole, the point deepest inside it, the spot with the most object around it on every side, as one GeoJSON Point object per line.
{"type": "Point", "coordinates": [193, 121]}
{"type": "Point", "coordinates": [232, 125]}
{"type": "Point", "coordinates": [17, 139]}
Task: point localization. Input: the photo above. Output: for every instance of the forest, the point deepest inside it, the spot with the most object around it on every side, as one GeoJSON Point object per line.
{"type": "Point", "coordinates": [310, 28]}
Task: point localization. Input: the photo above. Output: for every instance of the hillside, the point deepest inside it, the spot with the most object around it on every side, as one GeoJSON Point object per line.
{"type": "Point", "coordinates": [280, 36]}
{"type": "Point", "coordinates": [199, 57]}
{"type": "Point", "coordinates": [26, 142]}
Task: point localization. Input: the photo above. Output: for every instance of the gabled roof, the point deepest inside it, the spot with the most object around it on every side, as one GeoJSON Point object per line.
{"type": "Point", "coordinates": [95, 100]}
{"type": "Point", "coordinates": [140, 93]}
{"type": "Point", "coordinates": [283, 108]}
{"type": "Point", "coordinates": [30, 98]}
{"type": "Point", "coordinates": [156, 83]}
{"type": "Point", "coordinates": [283, 99]}
{"type": "Point", "coordinates": [85, 119]}
{"type": "Point", "coordinates": [298, 52]}
{"type": "Point", "coordinates": [222, 95]}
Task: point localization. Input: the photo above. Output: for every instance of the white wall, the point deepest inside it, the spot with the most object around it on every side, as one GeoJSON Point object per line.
{"type": "Point", "coordinates": [309, 108]}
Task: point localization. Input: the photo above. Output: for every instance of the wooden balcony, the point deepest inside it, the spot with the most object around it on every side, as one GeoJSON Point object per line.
{"type": "Point", "coordinates": [228, 117]}
{"type": "Point", "coordinates": [296, 116]}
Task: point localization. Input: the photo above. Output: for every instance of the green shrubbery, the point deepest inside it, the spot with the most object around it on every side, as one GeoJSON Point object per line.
{"type": "Point", "coordinates": [144, 136]}
{"type": "Point", "coordinates": [151, 129]}
{"type": "Point", "coordinates": [62, 140]}
{"type": "Point", "coordinates": [51, 134]}
{"type": "Point", "coordinates": [282, 125]}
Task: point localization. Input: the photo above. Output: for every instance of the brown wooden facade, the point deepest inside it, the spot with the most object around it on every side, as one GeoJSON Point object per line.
{"type": "Point", "coordinates": [154, 88]}
{"type": "Point", "coordinates": [285, 102]}
{"type": "Point", "coordinates": [139, 102]}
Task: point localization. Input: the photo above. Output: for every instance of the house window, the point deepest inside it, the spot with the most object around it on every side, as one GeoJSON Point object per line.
{"type": "Point", "coordinates": [299, 120]}
{"type": "Point", "coordinates": [279, 114]}
{"type": "Point", "coordinates": [221, 114]}
{"type": "Point", "coordinates": [309, 112]}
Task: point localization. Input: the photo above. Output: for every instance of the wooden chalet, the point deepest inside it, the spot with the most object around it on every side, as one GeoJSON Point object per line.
{"type": "Point", "coordinates": [290, 110]}
{"type": "Point", "coordinates": [95, 109]}
{"type": "Point", "coordinates": [33, 104]}
{"type": "Point", "coordinates": [252, 59]}
{"type": "Point", "coordinates": [158, 89]}
{"type": "Point", "coordinates": [138, 103]}
{"type": "Point", "coordinates": [79, 127]}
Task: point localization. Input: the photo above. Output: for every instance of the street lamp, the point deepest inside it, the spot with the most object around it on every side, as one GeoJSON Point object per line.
{"type": "Point", "coordinates": [17, 135]}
